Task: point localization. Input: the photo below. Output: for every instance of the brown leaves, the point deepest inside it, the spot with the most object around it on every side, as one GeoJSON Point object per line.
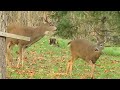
{"type": "Point", "coordinates": [29, 73]}
{"type": "Point", "coordinates": [114, 61]}
{"type": "Point", "coordinates": [106, 71]}
{"type": "Point", "coordinates": [32, 52]}
{"type": "Point", "coordinates": [101, 66]}
{"type": "Point", "coordinates": [20, 71]}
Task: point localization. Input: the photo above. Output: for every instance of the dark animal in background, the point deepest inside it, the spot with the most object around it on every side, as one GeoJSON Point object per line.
{"type": "Point", "coordinates": [53, 41]}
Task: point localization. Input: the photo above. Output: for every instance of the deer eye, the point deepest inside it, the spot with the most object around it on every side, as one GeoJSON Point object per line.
{"type": "Point", "coordinates": [101, 45]}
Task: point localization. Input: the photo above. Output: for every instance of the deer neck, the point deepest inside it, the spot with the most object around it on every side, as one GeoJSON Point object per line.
{"type": "Point", "coordinates": [36, 36]}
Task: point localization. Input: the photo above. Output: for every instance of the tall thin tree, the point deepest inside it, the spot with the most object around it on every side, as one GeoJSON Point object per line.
{"type": "Point", "coordinates": [3, 22]}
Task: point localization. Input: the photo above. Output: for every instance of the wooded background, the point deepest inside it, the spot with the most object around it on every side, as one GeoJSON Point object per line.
{"type": "Point", "coordinates": [74, 24]}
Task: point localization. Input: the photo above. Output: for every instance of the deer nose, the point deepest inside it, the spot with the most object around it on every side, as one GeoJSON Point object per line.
{"type": "Point", "coordinates": [55, 28]}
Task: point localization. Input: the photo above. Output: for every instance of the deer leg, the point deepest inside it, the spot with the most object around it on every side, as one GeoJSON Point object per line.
{"type": "Point", "coordinates": [92, 69]}
{"type": "Point", "coordinates": [70, 69]}
{"type": "Point", "coordinates": [20, 56]}
{"type": "Point", "coordinates": [70, 65]}
{"type": "Point", "coordinates": [8, 54]}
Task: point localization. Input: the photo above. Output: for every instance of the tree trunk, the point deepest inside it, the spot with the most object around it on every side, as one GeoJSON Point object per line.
{"type": "Point", "coordinates": [3, 23]}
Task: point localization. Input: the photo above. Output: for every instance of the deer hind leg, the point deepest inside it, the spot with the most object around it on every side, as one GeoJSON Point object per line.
{"type": "Point", "coordinates": [21, 56]}
{"type": "Point", "coordinates": [93, 70]}
{"type": "Point", "coordinates": [70, 65]}
{"type": "Point", "coordinates": [68, 68]}
{"type": "Point", "coordinates": [8, 54]}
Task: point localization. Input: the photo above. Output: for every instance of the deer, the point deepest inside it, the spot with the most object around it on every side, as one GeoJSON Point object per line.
{"type": "Point", "coordinates": [35, 34]}
{"type": "Point", "coordinates": [89, 52]}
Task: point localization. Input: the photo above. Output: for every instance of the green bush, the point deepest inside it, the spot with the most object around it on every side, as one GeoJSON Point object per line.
{"type": "Point", "coordinates": [66, 29]}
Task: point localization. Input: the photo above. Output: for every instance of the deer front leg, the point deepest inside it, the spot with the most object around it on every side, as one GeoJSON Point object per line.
{"type": "Point", "coordinates": [19, 56]}
{"type": "Point", "coordinates": [92, 69]}
{"type": "Point", "coordinates": [22, 55]}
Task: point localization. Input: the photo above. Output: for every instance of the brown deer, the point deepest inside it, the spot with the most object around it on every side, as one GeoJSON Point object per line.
{"type": "Point", "coordinates": [35, 34]}
{"type": "Point", "coordinates": [81, 48]}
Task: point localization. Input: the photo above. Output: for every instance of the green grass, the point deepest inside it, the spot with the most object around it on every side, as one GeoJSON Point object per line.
{"type": "Point", "coordinates": [113, 51]}
{"type": "Point", "coordinates": [42, 60]}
